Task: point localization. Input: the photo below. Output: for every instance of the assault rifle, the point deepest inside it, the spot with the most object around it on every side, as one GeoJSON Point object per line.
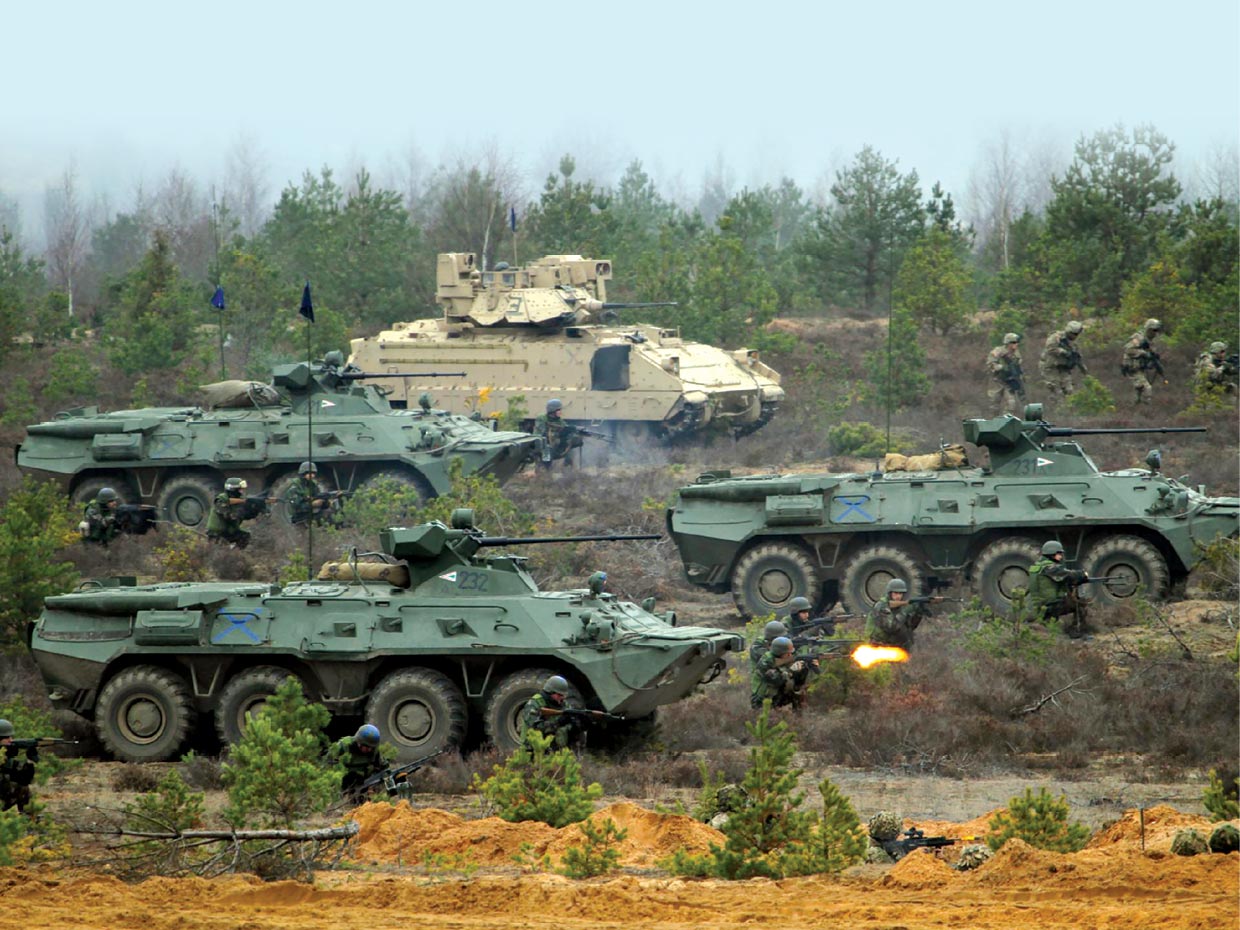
{"type": "Point", "coordinates": [829, 648]}
{"type": "Point", "coordinates": [582, 431]}
{"type": "Point", "coordinates": [915, 839]}
{"type": "Point", "coordinates": [825, 624]}
{"type": "Point", "coordinates": [395, 780]}
{"type": "Point", "coordinates": [1157, 365]}
{"type": "Point", "coordinates": [934, 599]}
{"type": "Point", "coordinates": [38, 742]}
{"type": "Point", "coordinates": [577, 713]}
{"type": "Point", "coordinates": [1231, 366]}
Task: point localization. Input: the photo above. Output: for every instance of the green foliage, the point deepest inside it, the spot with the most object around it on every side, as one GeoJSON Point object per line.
{"type": "Point", "coordinates": [853, 251]}
{"type": "Point", "coordinates": [19, 408]}
{"type": "Point", "coordinates": [863, 439]}
{"type": "Point", "coordinates": [515, 414]}
{"type": "Point", "coordinates": [571, 217]}
{"type": "Point", "coordinates": [706, 805]}
{"type": "Point", "coordinates": [537, 784]}
{"type": "Point", "coordinates": [1219, 799]}
{"type": "Point", "coordinates": [598, 854]}
{"type": "Point", "coordinates": [275, 776]}
{"type": "Point", "coordinates": [12, 829]}
{"type": "Point", "coordinates": [1041, 820]}
{"type": "Point", "coordinates": [1159, 291]}
{"type": "Point", "coordinates": [901, 380]}
{"type": "Point", "coordinates": [529, 861]}
{"type": "Point", "coordinates": [1015, 636]}
{"type": "Point", "coordinates": [154, 324]}
{"type": "Point", "coordinates": [22, 283]}
{"type": "Point", "coordinates": [770, 836]}
{"type": "Point", "coordinates": [36, 522]}
{"type": "Point", "coordinates": [1218, 571]}
{"type": "Point", "coordinates": [1008, 319]}
{"type": "Point", "coordinates": [1091, 398]}
{"type": "Point", "coordinates": [183, 555]}
{"type": "Point", "coordinates": [71, 375]}
{"type": "Point", "coordinates": [458, 863]}
{"type": "Point", "coordinates": [171, 807]}
{"type": "Point", "coordinates": [30, 722]}
{"type": "Point", "coordinates": [1107, 213]}
{"type": "Point", "coordinates": [295, 568]}
{"type": "Point", "coordinates": [934, 284]}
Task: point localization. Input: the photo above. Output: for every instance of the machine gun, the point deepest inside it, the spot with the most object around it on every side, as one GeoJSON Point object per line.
{"type": "Point", "coordinates": [136, 519]}
{"type": "Point", "coordinates": [914, 838]}
{"type": "Point", "coordinates": [396, 780]}
{"type": "Point", "coordinates": [1014, 378]}
{"type": "Point", "coordinates": [934, 599]}
{"type": "Point", "coordinates": [582, 431]}
{"type": "Point", "coordinates": [38, 742]}
{"type": "Point", "coordinates": [256, 505]}
{"type": "Point", "coordinates": [801, 631]}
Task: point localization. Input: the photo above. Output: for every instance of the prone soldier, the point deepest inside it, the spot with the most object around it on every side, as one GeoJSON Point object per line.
{"type": "Point", "coordinates": [1140, 358]}
{"type": "Point", "coordinates": [1060, 357]}
{"type": "Point", "coordinates": [1004, 364]}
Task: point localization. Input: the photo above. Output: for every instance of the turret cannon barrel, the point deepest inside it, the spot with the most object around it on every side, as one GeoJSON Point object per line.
{"type": "Point", "coordinates": [365, 375]}
{"type": "Point", "coordinates": [536, 540]}
{"type": "Point", "coordinates": [1104, 430]}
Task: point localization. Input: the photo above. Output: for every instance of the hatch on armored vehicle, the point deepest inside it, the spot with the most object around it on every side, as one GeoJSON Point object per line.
{"type": "Point", "coordinates": [842, 537]}
{"type": "Point", "coordinates": [528, 332]}
{"type": "Point", "coordinates": [440, 641]}
{"type": "Point", "coordinates": [178, 457]}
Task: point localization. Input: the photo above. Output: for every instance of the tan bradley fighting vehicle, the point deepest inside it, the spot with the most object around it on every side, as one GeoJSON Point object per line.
{"type": "Point", "coordinates": [528, 331]}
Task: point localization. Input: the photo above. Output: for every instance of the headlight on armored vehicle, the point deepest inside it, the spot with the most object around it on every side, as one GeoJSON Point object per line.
{"type": "Point", "coordinates": [771, 393]}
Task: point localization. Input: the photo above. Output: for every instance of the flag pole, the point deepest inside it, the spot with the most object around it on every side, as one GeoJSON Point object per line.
{"type": "Point", "coordinates": [307, 311]}
{"type": "Point", "coordinates": [217, 300]}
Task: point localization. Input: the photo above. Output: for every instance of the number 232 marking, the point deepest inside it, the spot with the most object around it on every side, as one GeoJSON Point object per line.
{"type": "Point", "coordinates": [472, 581]}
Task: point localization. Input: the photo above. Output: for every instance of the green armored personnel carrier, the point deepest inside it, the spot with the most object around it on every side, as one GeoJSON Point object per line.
{"type": "Point", "coordinates": [440, 641]}
{"type": "Point", "coordinates": [842, 537]}
{"type": "Point", "coordinates": [546, 330]}
{"type": "Point", "coordinates": [178, 457]}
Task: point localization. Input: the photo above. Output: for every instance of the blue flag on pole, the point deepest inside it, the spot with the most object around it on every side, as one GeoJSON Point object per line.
{"type": "Point", "coordinates": [512, 218]}
{"type": "Point", "coordinates": [217, 299]}
{"type": "Point", "coordinates": [307, 305]}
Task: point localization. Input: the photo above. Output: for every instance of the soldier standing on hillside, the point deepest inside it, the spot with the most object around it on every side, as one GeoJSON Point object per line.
{"type": "Point", "coordinates": [1213, 371]}
{"type": "Point", "coordinates": [1059, 357]}
{"type": "Point", "coordinates": [1140, 358]}
{"type": "Point", "coordinates": [1004, 364]}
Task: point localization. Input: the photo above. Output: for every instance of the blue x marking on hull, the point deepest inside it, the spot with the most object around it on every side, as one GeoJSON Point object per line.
{"type": "Point", "coordinates": [237, 622]}
{"type": "Point", "coordinates": [853, 511]}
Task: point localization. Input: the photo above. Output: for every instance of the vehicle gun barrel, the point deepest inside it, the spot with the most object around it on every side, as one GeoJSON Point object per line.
{"type": "Point", "coordinates": [1105, 430]}
{"type": "Point", "coordinates": [363, 375]}
{"type": "Point", "coordinates": [623, 306]}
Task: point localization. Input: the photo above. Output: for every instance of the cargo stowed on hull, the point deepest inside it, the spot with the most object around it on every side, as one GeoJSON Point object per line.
{"type": "Point", "coordinates": [442, 641]}
{"type": "Point", "coordinates": [529, 332]}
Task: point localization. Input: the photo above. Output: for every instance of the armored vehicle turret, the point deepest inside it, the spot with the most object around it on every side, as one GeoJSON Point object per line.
{"type": "Point", "coordinates": [541, 331]}
{"type": "Point", "coordinates": [178, 457]}
{"type": "Point", "coordinates": [445, 637]}
{"type": "Point", "coordinates": [842, 537]}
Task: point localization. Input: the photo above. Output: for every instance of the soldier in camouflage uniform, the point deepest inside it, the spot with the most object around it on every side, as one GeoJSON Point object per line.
{"type": "Point", "coordinates": [559, 438]}
{"type": "Point", "coordinates": [16, 773]}
{"type": "Point", "coordinates": [1213, 371]}
{"type": "Point", "coordinates": [1007, 393]}
{"type": "Point", "coordinates": [361, 757]}
{"type": "Point", "coordinates": [305, 499]}
{"type": "Point", "coordinates": [100, 517]}
{"type": "Point", "coordinates": [1060, 358]}
{"type": "Point", "coordinates": [760, 647]}
{"type": "Point", "coordinates": [779, 676]}
{"type": "Point", "coordinates": [553, 695]}
{"type": "Point", "coordinates": [892, 620]}
{"type": "Point", "coordinates": [1052, 588]}
{"type": "Point", "coordinates": [229, 509]}
{"type": "Point", "coordinates": [1140, 358]}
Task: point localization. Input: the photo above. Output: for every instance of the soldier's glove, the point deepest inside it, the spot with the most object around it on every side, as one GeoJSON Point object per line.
{"type": "Point", "coordinates": [798, 666]}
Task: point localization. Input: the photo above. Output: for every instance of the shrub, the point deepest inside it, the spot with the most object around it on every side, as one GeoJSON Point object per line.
{"type": "Point", "coordinates": [1040, 820]}
{"type": "Point", "coordinates": [274, 775]}
{"type": "Point", "coordinates": [1091, 398]}
{"type": "Point", "coordinates": [1220, 797]}
{"type": "Point", "coordinates": [12, 829]}
{"type": "Point", "coordinates": [36, 522]}
{"type": "Point", "coordinates": [1218, 572]}
{"type": "Point", "coordinates": [134, 777]}
{"type": "Point", "coordinates": [598, 854]}
{"type": "Point", "coordinates": [171, 806]}
{"type": "Point", "coordinates": [537, 784]}
{"type": "Point", "coordinates": [862, 439]}
{"type": "Point", "coordinates": [183, 556]}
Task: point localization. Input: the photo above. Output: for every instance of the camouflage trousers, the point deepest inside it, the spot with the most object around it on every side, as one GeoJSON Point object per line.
{"type": "Point", "coordinates": [1004, 400]}
{"type": "Point", "coordinates": [1058, 382]}
{"type": "Point", "coordinates": [1141, 385]}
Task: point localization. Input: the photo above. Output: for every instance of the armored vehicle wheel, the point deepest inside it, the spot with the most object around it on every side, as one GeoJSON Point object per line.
{"type": "Point", "coordinates": [187, 500]}
{"type": "Point", "coordinates": [503, 710]}
{"type": "Point", "coordinates": [1131, 565]}
{"type": "Point", "coordinates": [864, 582]}
{"type": "Point", "coordinates": [768, 576]}
{"type": "Point", "coordinates": [144, 714]}
{"type": "Point", "coordinates": [244, 696]}
{"type": "Point", "coordinates": [419, 711]}
{"type": "Point", "coordinates": [1001, 568]}
{"type": "Point", "coordinates": [89, 489]}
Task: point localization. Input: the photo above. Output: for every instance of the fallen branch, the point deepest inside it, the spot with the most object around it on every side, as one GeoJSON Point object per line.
{"type": "Point", "coordinates": [299, 836]}
{"type": "Point", "coordinates": [1036, 706]}
{"type": "Point", "coordinates": [1188, 653]}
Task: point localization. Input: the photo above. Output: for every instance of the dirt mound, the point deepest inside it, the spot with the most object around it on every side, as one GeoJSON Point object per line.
{"type": "Point", "coordinates": [919, 869]}
{"type": "Point", "coordinates": [1161, 825]}
{"type": "Point", "coordinates": [401, 835]}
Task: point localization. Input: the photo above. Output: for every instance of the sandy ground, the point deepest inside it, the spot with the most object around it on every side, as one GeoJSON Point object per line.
{"type": "Point", "coordinates": [1113, 883]}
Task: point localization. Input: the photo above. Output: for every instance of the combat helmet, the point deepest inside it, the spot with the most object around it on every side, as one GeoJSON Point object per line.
{"type": "Point", "coordinates": [554, 405]}
{"type": "Point", "coordinates": [307, 468]}
{"type": "Point", "coordinates": [234, 484]}
{"type": "Point", "coordinates": [781, 646]}
{"type": "Point", "coordinates": [885, 825]}
{"type": "Point", "coordinates": [897, 586]}
{"type": "Point", "coordinates": [1218, 348]}
{"type": "Point", "coordinates": [367, 735]}
{"type": "Point", "coordinates": [1153, 325]}
{"type": "Point", "coordinates": [773, 630]}
{"type": "Point", "coordinates": [6, 729]}
{"type": "Point", "coordinates": [556, 684]}
{"type": "Point", "coordinates": [1052, 547]}
{"type": "Point", "coordinates": [1074, 328]}
{"type": "Point", "coordinates": [798, 604]}
{"type": "Point", "coordinates": [1009, 338]}
{"type": "Point", "coordinates": [106, 495]}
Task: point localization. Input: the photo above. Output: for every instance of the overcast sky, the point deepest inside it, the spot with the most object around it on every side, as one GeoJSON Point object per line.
{"type": "Point", "coordinates": [129, 89]}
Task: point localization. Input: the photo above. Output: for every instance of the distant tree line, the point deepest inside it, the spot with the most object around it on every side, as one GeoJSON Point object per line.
{"type": "Point", "coordinates": [1110, 234]}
